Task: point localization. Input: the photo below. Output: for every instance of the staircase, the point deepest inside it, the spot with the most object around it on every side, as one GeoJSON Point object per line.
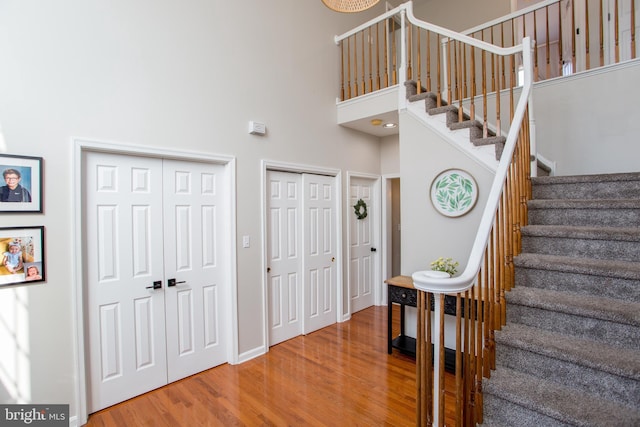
{"type": "Point", "coordinates": [451, 112]}
{"type": "Point", "coordinates": [570, 353]}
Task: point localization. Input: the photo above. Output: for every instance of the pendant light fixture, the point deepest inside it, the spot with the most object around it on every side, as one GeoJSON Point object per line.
{"type": "Point", "coordinates": [349, 6]}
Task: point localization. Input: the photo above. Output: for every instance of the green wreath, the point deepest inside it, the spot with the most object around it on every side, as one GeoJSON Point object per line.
{"type": "Point", "coordinates": [361, 209]}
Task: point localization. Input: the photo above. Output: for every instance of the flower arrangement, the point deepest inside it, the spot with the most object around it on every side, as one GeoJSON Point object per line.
{"type": "Point", "coordinates": [445, 264]}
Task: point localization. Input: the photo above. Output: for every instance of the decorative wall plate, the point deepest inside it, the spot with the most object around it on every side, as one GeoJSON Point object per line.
{"type": "Point", "coordinates": [454, 192]}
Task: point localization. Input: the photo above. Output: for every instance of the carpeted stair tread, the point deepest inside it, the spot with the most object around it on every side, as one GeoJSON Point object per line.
{"type": "Point", "coordinates": [613, 360]}
{"type": "Point", "coordinates": [466, 124]}
{"type": "Point", "coordinates": [608, 309]}
{"type": "Point", "coordinates": [594, 267]}
{"type": "Point", "coordinates": [488, 140]}
{"type": "Point", "coordinates": [628, 234]}
{"type": "Point", "coordinates": [440, 110]}
{"type": "Point", "coordinates": [593, 178]}
{"type": "Point", "coordinates": [584, 204]}
{"type": "Point", "coordinates": [558, 402]}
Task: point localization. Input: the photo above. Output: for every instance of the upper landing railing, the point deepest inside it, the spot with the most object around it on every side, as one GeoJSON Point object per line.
{"type": "Point", "coordinates": [569, 37]}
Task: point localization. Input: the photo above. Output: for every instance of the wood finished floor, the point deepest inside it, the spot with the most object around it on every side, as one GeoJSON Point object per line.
{"type": "Point", "coordinates": [338, 376]}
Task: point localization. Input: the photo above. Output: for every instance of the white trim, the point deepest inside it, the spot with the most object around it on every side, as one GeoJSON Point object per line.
{"type": "Point", "coordinates": [81, 145]}
{"type": "Point", "coordinates": [274, 165]}
{"type": "Point", "coordinates": [385, 231]}
{"type": "Point", "coordinates": [377, 238]}
{"type": "Point", "coordinates": [368, 96]}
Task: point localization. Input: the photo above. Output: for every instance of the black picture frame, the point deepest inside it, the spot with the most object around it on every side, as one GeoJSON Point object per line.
{"type": "Point", "coordinates": [26, 196]}
{"type": "Point", "coordinates": [29, 242]}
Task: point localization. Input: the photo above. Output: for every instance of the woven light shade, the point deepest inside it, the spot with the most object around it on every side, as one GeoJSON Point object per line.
{"type": "Point", "coordinates": [349, 6]}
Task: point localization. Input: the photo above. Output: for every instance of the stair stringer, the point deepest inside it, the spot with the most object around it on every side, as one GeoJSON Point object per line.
{"type": "Point", "coordinates": [459, 138]}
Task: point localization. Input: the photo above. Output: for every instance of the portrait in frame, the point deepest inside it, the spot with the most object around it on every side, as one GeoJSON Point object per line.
{"type": "Point", "coordinates": [21, 255]}
{"type": "Point", "coordinates": [21, 186]}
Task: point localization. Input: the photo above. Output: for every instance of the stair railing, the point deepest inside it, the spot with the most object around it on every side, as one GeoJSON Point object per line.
{"type": "Point", "coordinates": [384, 53]}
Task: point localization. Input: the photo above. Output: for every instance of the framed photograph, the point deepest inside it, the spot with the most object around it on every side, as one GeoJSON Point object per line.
{"type": "Point", "coordinates": [21, 186]}
{"type": "Point", "coordinates": [22, 255]}
{"type": "Point", "coordinates": [454, 192]}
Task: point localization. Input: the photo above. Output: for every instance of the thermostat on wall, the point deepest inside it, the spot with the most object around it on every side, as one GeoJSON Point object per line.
{"type": "Point", "coordinates": [257, 128]}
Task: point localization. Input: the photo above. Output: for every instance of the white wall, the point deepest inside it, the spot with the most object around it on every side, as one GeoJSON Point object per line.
{"type": "Point", "coordinates": [459, 15]}
{"type": "Point", "coordinates": [588, 123]}
{"type": "Point", "coordinates": [181, 75]}
{"type": "Point", "coordinates": [426, 234]}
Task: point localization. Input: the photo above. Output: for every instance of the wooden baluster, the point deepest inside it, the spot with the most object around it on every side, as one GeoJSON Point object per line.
{"type": "Point", "coordinates": [450, 74]}
{"type": "Point", "coordinates": [409, 75]}
{"type": "Point", "coordinates": [465, 91]}
{"type": "Point", "coordinates": [428, 360]}
{"type": "Point", "coordinates": [472, 107]}
{"type": "Point", "coordinates": [495, 257]}
{"type": "Point", "coordinates": [458, 61]}
{"type": "Point", "coordinates": [501, 257]}
{"type": "Point", "coordinates": [386, 57]}
{"type": "Point", "coordinates": [421, 366]}
{"type": "Point", "coordinates": [484, 94]}
{"type": "Point", "coordinates": [486, 321]}
{"type": "Point", "coordinates": [502, 58]}
{"type": "Point", "coordinates": [428, 53]}
{"type": "Point", "coordinates": [498, 88]}
{"type": "Point", "coordinates": [349, 68]}
{"type": "Point", "coordinates": [633, 29]}
{"type": "Point", "coordinates": [478, 304]}
{"type": "Point", "coordinates": [378, 56]}
{"type": "Point", "coordinates": [370, 62]}
{"type": "Point", "coordinates": [573, 37]}
{"type": "Point", "coordinates": [586, 34]}
{"type": "Point", "coordinates": [560, 43]}
{"type": "Point", "coordinates": [419, 60]}
{"type": "Point", "coordinates": [535, 54]}
{"type": "Point", "coordinates": [468, 381]}
{"type": "Point", "coordinates": [355, 65]}
{"type": "Point", "coordinates": [441, 370]}
{"type": "Point", "coordinates": [493, 70]}
{"type": "Point", "coordinates": [548, 70]}
{"type": "Point", "coordinates": [438, 68]}
{"type": "Point", "coordinates": [616, 31]}
{"type": "Point", "coordinates": [473, 353]}
{"type": "Point", "coordinates": [512, 61]}
{"type": "Point", "coordinates": [394, 75]}
{"type": "Point", "coordinates": [342, 71]}
{"type": "Point", "coordinates": [459, 368]}
{"type": "Point", "coordinates": [363, 86]}
{"type": "Point", "coordinates": [601, 32]}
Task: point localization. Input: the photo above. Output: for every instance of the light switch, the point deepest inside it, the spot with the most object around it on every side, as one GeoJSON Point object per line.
{"type": "Point", "coordinates": [246, 241]}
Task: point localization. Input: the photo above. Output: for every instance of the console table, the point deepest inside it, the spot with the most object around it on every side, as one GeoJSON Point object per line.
{"type": "Point", "coordinates": [400, 290]}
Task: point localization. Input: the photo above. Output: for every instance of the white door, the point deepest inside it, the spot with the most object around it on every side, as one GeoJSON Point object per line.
{"type": "Point", "coordinates": [320, 272]}
{"type": "Point", "coordinates": [362, 252]}
{"type": "Point", "coordinates": [194, 263]}
{"type": "Point", "coordinates": [284, 255]}
{"type": "Point", "coordinates": [133, 317]}
{"type": "Point", "coordinates": [126, 315]}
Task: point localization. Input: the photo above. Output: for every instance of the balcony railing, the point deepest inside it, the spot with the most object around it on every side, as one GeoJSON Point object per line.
{"type": "Point", "coordinates": [570, 36]}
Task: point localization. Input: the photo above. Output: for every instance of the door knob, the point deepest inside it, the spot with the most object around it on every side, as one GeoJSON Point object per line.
{"type": "Point", "coordinates": [268, 269]}
{"type": "Point", "coordinates": [172, 282]}
{"type": "Point", "coordinates": [156, 285]}
{"type": "Point", "coordinates": [373, 249]}
{"type": "Point", "coordinates": [333, 259]}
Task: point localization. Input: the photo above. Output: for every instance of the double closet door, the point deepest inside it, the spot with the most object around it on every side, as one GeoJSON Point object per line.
{"type": "Point", "coordinates": [156, 277]}
{"type": "Point", "coordinates": [301, 254]}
